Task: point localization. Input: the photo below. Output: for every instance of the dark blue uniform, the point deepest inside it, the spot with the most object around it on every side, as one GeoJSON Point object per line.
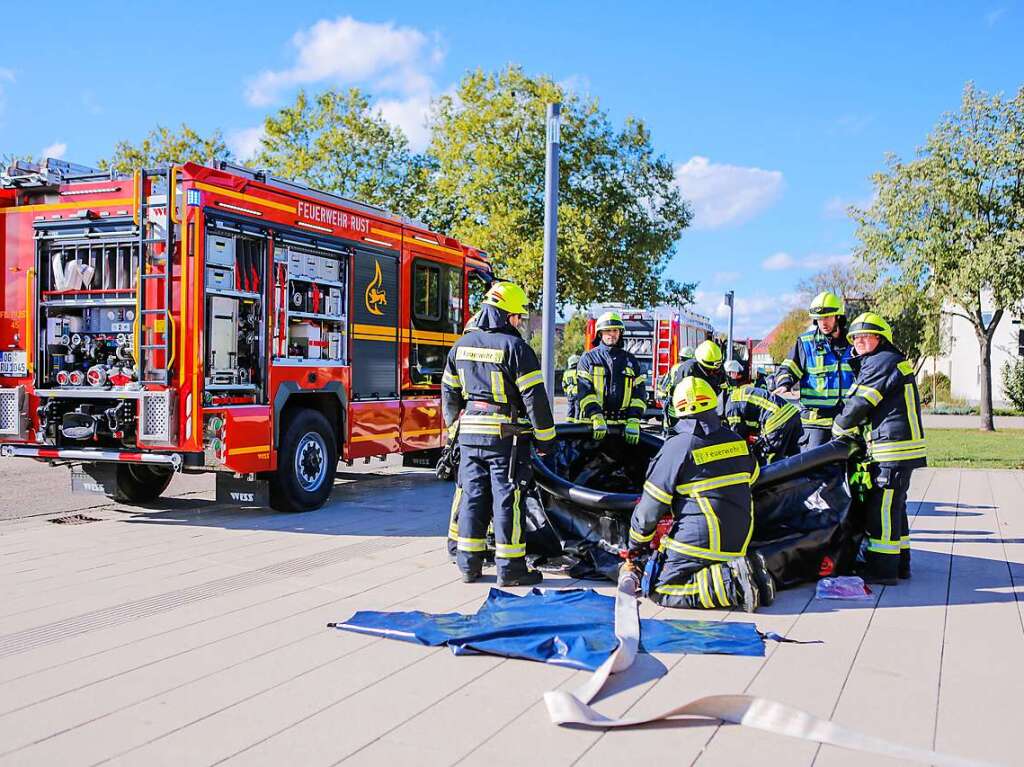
{"type": "Point", "coordinates": [611, 382]}
{"type": "Point", "coordinates": [820, 364]}
{"type": "Point", "coordinates": [702, 478]}
{"type": "Point", "coordinates": [884, 401]}
{"type": "Point", "coordinates": [493, 379]}
{"type": "Point", "coordinates": [772, 422]}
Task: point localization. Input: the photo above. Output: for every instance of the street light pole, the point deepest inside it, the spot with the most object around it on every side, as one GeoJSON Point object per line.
{"type": "Point", "coordinates": [729, 299]}
{"type": "Point", "coordinates": [553, 123]}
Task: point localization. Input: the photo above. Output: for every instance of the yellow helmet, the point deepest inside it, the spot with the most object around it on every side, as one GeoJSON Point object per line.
{"type": "Point", "coordinates": [709, 354]}
{"type": "Point", "coordinates": [609, 321]}
{"type": "Point", "coordinates": [869, 322]}
{"type": "Point", "coordinates": [693, 395]}
{"type": "Point", "coordinates": [826, 304]}
{"type": "Point", "coordinates": [507, 296]}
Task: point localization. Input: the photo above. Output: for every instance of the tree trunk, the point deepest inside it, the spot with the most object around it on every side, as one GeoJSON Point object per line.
{"type": "Point", "coordinates": [984, 335]}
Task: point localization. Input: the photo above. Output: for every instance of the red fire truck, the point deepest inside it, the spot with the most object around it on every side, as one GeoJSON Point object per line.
{"type": "Point", "coordinates": [213, 318]}
{"type": "Point", "coordinates": [655, 337]}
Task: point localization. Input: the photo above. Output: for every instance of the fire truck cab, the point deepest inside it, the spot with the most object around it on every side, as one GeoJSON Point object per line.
{"type": "Point", "coordinates": [215, 318]}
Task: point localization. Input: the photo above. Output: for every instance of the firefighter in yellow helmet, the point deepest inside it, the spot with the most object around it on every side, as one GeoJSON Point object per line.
{"type": "Point", "coordinates": [819, 365]}
{"type": "Point", "coordinates": [611, 383]}
{"type": "Point", "coordinates": [701, 477]}
{"type": "Point", "coordinates": [570, 385]}
{"type": "Point", "coordinates": [493, 386]}
{"type": "Point", "coordinates": [884, 401]}
{"type": "Point", "coordinates": [705, 364]}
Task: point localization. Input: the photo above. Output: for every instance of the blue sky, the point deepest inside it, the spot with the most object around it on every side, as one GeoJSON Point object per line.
{"type": "Point", "coordinates": [774, 115]}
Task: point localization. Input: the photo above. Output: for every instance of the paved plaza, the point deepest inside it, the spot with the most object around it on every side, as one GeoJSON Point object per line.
{"type": "Point", "coordinates": [189, 634]}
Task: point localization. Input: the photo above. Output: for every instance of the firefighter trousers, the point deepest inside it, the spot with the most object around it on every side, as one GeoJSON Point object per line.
{"type": "Point", "coordinates": [486, 493]}
{"type": "Point", "coordinates": [885, 521]}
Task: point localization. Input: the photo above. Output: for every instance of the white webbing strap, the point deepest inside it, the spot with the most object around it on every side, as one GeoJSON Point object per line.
{"type": "Point", "coordinates": [747, 710]}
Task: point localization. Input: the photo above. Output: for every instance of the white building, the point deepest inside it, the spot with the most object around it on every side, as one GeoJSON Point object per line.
{"type": "Point", "coordinates": [962, 362]}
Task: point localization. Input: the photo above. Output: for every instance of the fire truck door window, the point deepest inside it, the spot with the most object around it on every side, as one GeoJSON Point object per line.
{"type": "Point", "coordinates": [436, 319]}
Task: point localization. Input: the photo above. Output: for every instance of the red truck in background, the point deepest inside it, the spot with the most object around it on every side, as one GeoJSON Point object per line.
{"type": "Point", "coordinates": [214, 318]}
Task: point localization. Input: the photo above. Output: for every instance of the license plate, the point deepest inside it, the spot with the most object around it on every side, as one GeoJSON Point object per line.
{"type": "Point", "coordinates": [13, 364]}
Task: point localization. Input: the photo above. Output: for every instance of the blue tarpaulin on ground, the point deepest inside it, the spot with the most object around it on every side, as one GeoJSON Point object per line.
{"type": "Point", "coordinates": [568, 627]}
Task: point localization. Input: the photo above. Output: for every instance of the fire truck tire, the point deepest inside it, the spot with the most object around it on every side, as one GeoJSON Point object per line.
{"type": "Point", "coordinates": [307, 459]}
{"type": "Point", "coordinates": [140, 483]}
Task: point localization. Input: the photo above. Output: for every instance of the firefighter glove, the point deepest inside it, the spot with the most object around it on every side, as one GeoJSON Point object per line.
{"type": "Point", "coordinates": [633, 431]}
{"type": "Point", "coordinates": [599, 426]}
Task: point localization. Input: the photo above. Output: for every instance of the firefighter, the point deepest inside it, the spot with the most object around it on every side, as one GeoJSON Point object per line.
{"type": "Point", "coordinates": [611, 382]}
{"type": "Point", "coordinates": [734, 373]}
{"type": "Point", "coordinates": [570, 386]}
{"type": "Point", "coordinates": [885, 401]}
{"type": "Point", "coordinates": [819, 364]}
{"type": "Point", "coordinates": [706, 364]}
{"type": "Point", "coordinates": [770, 423]}
{"type": "Point", "coordinates": [701, 477]}
{"type": "Point", "coordinates": [492, 378]}
{"type": "Point", "coordinates": [663, 389]}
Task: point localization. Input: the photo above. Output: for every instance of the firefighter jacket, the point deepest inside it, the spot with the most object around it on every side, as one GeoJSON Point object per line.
{"type": "Point", "coordinates": [691, 367]}
{"type": "Point", "coordinates": [884, 397]}
{"type": "Point", "coordinates": [702, 477]}
{"type": "Point", "coordinates": [569, 382]}
{"type": "Point", "coordinates": [610, 381]}
{"type": "Point", "coordinates": [821, 365]}
{"type": "Point", "coordinates": [754, 412]}
{"type": "Point", "coordinates": [493, 375]}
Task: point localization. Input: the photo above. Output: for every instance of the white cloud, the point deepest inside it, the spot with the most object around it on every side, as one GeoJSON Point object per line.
{"type": "Point", "coordinates": [56, 150]}
{"type": "Point", "coordinates": [409, 114]}
{"type": "Point", "coordinates": [754, 315]}
{"type": "Point", "coordinates": [244, 143]}
{"type": "Point", "coordinates": [778, 261]}
{"type": "Point", "coordinates": [345, 51]}
{"type": "Point", "coordinates": [726, 194]}
{"type": "Point", "coordinates": [992, 17]}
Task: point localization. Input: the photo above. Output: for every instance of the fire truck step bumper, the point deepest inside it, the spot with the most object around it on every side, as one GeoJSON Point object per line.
{"type": "Point", "coordinates": [85, 454]}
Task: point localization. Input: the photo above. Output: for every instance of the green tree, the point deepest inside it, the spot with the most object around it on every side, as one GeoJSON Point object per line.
{"type": "Point", "coordinates": [792, 325]}
{"type": "Point", "coordinates": [165, 147]}
{"type": "Point", "coordinates": [620, 213]}
{"type": "Point", "coordinates": [951, 221]}
{"type": "Point", "coordinates": [572, 339]}
{"type": "Point", "coordinates": [334, 141]}
{"type": "Point", "coordinates": [849, 280]}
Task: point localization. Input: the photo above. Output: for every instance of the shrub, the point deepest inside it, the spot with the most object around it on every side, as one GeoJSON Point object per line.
{"type": "Point", "coordinates": [1013, 382]}
{"type": "Point", "coordinates": [942, 390]}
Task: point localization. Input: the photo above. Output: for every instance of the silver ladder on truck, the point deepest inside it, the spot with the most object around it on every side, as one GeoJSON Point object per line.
{"type": "Point", "coordinates": [153, 316]}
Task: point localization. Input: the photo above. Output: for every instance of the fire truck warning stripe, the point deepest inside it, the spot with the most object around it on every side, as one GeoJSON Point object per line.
{"type": "Point", "coordinates": [77, 205]}
{"type": "Point", "coordinates": [420, 432]}
{"type": "Point", "coordinates": [246, 197]}
{"type": "Point", "coordinates": [374, 437]}
{"type": "Point", "coordinates": [421, 244]}
{"type": "Point", "coordinates": [248, 450]}
{"type": "Point", "coordinates": [428, 336]}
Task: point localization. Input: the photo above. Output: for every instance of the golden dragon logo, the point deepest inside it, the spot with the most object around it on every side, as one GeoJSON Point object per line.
{"type": "Point", "coordinates": [375, 298]}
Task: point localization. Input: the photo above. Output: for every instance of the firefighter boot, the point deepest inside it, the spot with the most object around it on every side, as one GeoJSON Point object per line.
{"type": "Point", "coordinates": [744, 589]}
{"type": "Point", "coordinates": [512, 576]}
{"type": "Point", "coordinates": [904, 568]}
{"type": "Point", "coordinates": [471, 566]}
{"type": "Point", "coordinates": [763, 578]}
{"type": "Point", "coordinates": [880, 569]}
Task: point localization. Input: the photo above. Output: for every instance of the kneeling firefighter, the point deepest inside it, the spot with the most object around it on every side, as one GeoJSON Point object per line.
{"type": "Point", "coordinates": [766, 420]}
{"type": "Point", "coordinates": [884, 399]}
{"type": "Point", "coordinates": [701, 477]}
{"type": "Point", "coordinates": [492, 377]}
{"type": "Point", "coordinates": [611, 382]}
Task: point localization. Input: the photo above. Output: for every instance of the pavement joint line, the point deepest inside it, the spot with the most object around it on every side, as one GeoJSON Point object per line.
{"type": "Point", "coordinates": [276, 648]}
{"type": "Point", "coordinates": [337, 598]}
{"type": "Point", "coordinates": [945, 616]}
{"type": "Point", "coordinates": [38, 636]}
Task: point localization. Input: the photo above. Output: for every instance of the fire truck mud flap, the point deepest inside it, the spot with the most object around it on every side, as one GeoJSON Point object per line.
{"type": "Point", "coordinates": [242, 491]}
{"type": "Point", "coordinates": [577, 516]}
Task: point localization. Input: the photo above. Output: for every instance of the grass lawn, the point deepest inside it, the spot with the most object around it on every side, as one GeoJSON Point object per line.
{"type": "Point", "coordinates": [973, 449]}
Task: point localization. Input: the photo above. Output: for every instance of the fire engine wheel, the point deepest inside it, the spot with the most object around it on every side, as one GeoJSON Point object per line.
{"type": "Point", "coordinates": [306, 463]}
{"type": "Point", "coordinates": [140, 483]}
